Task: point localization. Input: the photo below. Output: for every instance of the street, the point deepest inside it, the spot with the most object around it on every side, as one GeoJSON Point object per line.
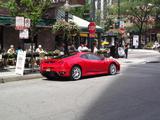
{"type": "Point", "coordinates": [133, 94]}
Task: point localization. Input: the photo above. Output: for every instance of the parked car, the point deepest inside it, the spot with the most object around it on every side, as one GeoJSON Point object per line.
{"type": "Point", "coordinates": [78, 65]}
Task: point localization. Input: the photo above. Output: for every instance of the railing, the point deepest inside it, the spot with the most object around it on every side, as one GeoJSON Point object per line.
{"type": "Point", "coordinates": [10, 59]}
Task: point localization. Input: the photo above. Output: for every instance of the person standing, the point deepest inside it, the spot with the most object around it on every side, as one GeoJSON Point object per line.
{"type": "Point", "coordinates": [126, 46]}
{"type": "Point", "coordinates": [80, 48]}
{"type": "Point", "coordinates": [95, 49]}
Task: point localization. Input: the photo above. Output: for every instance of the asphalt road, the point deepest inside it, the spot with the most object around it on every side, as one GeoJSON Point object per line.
{"type": "Point", "coordinates": [131, 95]}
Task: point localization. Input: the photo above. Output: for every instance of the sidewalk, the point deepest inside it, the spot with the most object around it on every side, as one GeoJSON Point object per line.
{"type": "Point", "coordinates": [8, 75]}
{"type": "Point", "coordinates": [140, 56]}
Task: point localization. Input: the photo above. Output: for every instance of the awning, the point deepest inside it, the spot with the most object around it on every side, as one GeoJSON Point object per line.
{"type": "Point", "coordinates": [7, 20]}
{"type": "Point", "coordinates": [83, 24]}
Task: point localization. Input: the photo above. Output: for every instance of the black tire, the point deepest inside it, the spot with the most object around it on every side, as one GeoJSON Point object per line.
{"type": "Point", "coordinates": [75, 73]}
{"type": "Point", "coordinates": [49, 77]}
{"type": "Point", "coordinates": [112, 69]}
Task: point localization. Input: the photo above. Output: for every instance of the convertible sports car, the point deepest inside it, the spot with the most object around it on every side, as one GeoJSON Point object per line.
{"type": "Point", "coordinates": [78, 65]}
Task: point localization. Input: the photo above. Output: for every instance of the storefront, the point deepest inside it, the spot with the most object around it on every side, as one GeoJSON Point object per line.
{"type": "Point", "coordinates": [84, 34]}
{"type": "Point", "coordinates": [8, 34]}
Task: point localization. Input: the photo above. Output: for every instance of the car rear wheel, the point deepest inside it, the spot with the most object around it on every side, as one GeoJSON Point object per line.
{"type": "Point", "coordinates": [76, 73]}
{"type": "Point", "coordinates": [112, 69]}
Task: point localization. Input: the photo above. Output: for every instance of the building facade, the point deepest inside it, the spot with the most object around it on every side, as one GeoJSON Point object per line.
{"type": "Point", "coordinates": [10, 36]}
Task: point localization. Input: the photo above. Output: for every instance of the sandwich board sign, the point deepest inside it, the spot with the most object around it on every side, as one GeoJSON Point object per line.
{"type": "Point", "coordinates": [135, 41]}
{"type": "Point", "coordinates": [21, 57]}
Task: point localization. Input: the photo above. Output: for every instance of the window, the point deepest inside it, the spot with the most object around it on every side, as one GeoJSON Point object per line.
{"type": "Point", "coordinates": [91, 56]}
{"type": "Point", "coordinates": [84, 56]}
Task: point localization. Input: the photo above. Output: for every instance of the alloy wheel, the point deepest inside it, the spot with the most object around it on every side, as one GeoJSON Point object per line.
{"type": "Point", "coordinates": [112, 69]}
{"type": "Point", "coordinates": [76, 73]}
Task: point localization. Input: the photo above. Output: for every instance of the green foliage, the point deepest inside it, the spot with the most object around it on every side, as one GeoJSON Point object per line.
{"type": "Point", "coordinates": [12, 6]}
{"type": "Point", "coordinates": [33, 9]}
{"type": "Point", "coordinates": [149, 45]}
{"type": "Point", "coordinates": [68, 28]}
{"type": "Point", "coordinates": [108, 23]}
{"type": "Point", "coordinates": [74, 29]}
{"type": "Point", "coordinates": [61, 26]}
{"type": "Point", "coordinates": [138, 10]}
{"type": "Point", "coordinates": [79, 11]}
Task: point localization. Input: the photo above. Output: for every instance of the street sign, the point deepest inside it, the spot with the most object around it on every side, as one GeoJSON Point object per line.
{"type": "Point", "coordinates": [121, 24]}
{"type": "Point", "coordinates": [27, 23]}
{"type": "Point", "coordinates": [122, 30]}
{"type": "Point", "coordinates": [19, 23]}
{"type": "Point", "coordinates": [92, 29]}
{"type": "Point", "coordinates": [24, 34]}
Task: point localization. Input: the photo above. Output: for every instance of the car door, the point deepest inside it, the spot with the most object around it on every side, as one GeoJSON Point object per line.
{"type": "Point", "coordinates": [95, 63]}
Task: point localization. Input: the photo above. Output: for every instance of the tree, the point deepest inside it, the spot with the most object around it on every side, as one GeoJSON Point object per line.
{"type": "Point", "coordinates": [33, 9]}
{"type": "Point", "coordinates": [68, 29]}
{"type": "Point", "coordinates": [156, 11]}
{"type": "Point", "coordinates": [108, 23]}
{"type": "Point", "coordinates": [140, 17]}
{"type": "Point", "coordinates": [81, 11]}
{"type": "Point", "coordinates": [137, 10]}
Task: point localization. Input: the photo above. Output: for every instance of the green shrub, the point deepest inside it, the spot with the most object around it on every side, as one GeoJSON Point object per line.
{"type": "Point", "coordinates": [149, 45]}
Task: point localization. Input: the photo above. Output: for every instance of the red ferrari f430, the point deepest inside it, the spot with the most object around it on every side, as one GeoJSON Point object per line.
{"type": "Point", "coordinates": [78, 65]}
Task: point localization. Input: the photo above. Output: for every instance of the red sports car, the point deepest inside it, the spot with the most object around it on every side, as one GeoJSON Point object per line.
{"type": "Point", "coordinates": [78, 65]}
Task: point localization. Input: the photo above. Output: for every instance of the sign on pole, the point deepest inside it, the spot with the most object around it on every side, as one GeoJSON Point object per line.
{"type": "Point", "coordinates": [27, 22]}
{"type": "Point", "coordinates": [24, 34]}
{"type": "Point", "coordinates": [92, 29]}
{"type": "Point", "coordinates": [19, 23]}
{"type": "Point", "coordinates": [121, 24]}
{"type": "Point", "coordinates": [20, 62]}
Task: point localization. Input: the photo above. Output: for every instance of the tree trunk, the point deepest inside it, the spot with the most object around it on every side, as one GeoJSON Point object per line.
{"type": "Point", "coordinates": [140, 36]}
{"type": "Point", "coordinates": [32, 57]}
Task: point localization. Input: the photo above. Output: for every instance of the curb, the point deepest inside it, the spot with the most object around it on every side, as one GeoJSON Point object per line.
{"type": "Point", "coordinates": [19, 78]}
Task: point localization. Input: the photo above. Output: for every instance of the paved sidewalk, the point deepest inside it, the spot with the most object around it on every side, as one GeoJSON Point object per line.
{"type": "Point", "coordinates": [141, 56]}
{"type": "Point", "coordinates": [9, 75]}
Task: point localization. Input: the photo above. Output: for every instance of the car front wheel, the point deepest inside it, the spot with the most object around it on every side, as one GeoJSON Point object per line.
{"type": "Point", "coordinates": [112, 69]}
{"type": "Point", "coordinates": [76, 73]}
